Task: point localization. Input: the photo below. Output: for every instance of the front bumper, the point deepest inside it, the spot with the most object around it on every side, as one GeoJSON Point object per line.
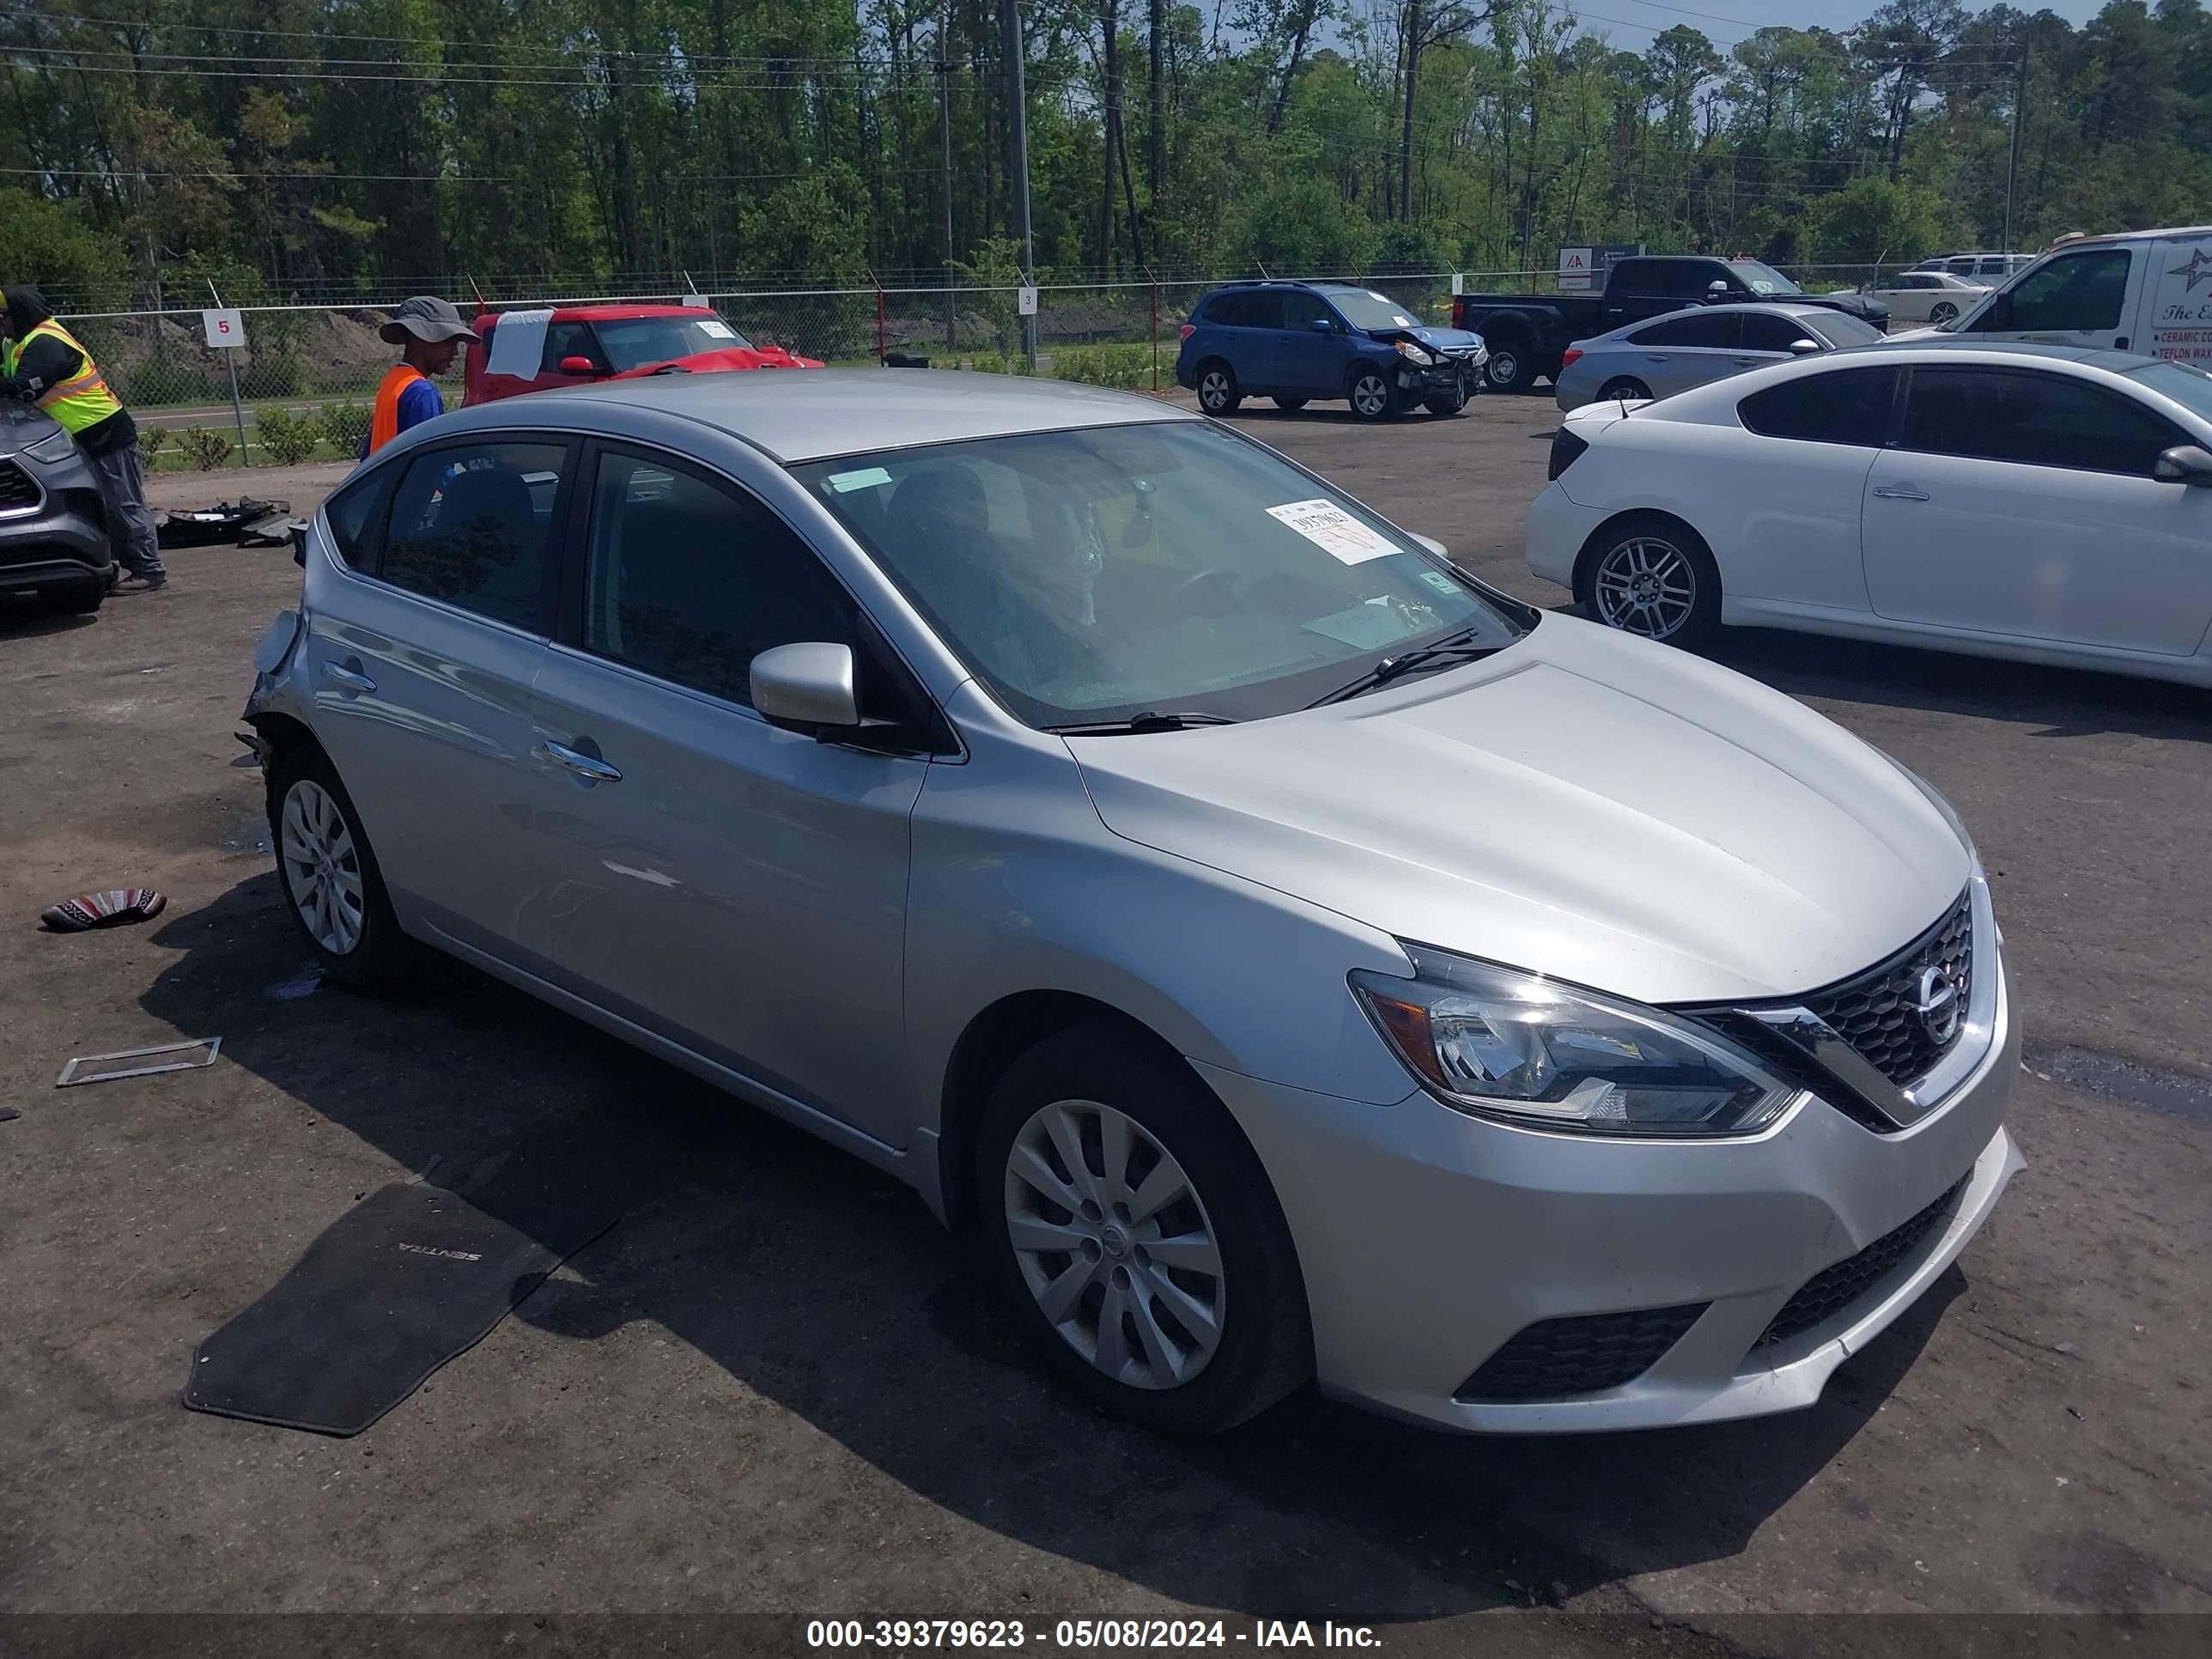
{"type": "Point", "coordinates": [1429, 1238]}
{"type": "Point", "coordinates": [1449, 372]}
{"type": "Point", "coordinates": [61, 538]}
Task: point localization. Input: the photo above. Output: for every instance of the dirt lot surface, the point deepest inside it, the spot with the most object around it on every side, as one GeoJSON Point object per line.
{"type": "Point", "coordinates": [775, 1387]}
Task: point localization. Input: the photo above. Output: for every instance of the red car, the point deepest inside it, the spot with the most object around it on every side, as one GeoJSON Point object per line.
{"type": "Point", "coordinates": [586, 344]}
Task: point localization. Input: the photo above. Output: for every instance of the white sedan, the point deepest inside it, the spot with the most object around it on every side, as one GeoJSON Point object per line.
{"type": "Point", "coordinates": [1929, 296]}
{"type": "Point", "coordinates": [2048, 504]}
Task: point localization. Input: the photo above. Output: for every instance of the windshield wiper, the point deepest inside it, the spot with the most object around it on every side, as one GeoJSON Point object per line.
{"type": "Point", "coordinates": [1152, 719]}
{"type": "Point", "coordinates": [1461, 646]}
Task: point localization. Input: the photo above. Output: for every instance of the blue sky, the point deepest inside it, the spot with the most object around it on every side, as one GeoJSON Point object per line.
{"type": "Point", "coordinates": [1631, 23]}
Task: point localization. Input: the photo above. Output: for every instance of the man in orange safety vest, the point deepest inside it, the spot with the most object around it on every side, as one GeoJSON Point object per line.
{"type": "Point", "coordinates": [431, 333]}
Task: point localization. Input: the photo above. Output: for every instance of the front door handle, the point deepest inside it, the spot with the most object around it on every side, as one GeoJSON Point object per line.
{"type": "Point", "coordinates": [348, 680]}
{"type": "Point", "coordinates": [1654, 357]}
{"type": "Point", "coordinates": [1749, 362]}
{"type": "Point", "coordinates": [1900, 492]}
{"type": "Point", "coordinates": [583, 765]}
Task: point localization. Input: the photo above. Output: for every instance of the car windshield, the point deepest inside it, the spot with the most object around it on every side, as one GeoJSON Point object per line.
{"type": "Point", "coordinates": [634, 341]}
{"type": "Point", "coordinates": [1363, 307]}
{"type": "Point", "coordinates": [2186, 384]}
{"type": "Point", "coordinates": [1763, 279]}
{"type": "Point", "coordinates": [1094, 575]}
{"type": "Point", "coordinates": [1844, 330]}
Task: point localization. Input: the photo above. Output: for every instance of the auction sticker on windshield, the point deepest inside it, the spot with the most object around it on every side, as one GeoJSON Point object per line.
{"type": "Point", "coordinates": [715, 329]}
{"type": "Point", "coordinates": [1335, 531]}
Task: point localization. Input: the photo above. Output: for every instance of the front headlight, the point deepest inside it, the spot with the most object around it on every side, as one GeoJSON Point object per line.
{"type": "Point", "coordinates": [54, 447]}
{"type": "Point", "coordinates": [1523, 1049]}
{"type": "Point", "coordinates": [1413, 354]}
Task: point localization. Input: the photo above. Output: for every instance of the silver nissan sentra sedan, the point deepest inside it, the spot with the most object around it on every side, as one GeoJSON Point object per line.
{"type": "Point", "coordinates": [1286, 955]}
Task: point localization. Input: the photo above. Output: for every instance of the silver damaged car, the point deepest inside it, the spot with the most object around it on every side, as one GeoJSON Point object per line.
{"type": "Point", "coordinates": [1288, 957]}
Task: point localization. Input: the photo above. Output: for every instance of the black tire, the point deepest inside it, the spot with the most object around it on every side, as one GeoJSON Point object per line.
{"type": "Point", "coordinates": [1623, 386]}
{"type": "Point", "coordinates": [1290, 403]}
{"type": "Point", "coordinates": [1369, 390]}
{"type": "Point", "coordinates": [1217, 391]}
{"type": "Point", "coordinates": [1454, 402]}
{"type": "Point", "coordinates": [79, 597]}
{"type": "Point", "coordinates": [1942, 311]}
{"type": "Point", "coordinates": [1265, 1348]}
{"type": "Point", "coordinates": [381, 953]}
{"type": "Point", "coordinates": [1655, 531]}
{"type": "Point", "coordinates": [1511, 366]}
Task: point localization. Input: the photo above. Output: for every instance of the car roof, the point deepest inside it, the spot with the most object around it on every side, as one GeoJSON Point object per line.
{"type": "Point", "coordinates": [2137, 235]}
{"type": "Point", "coordinates": [1808, 309]}
{"type": "Point", "coordinates": [2118, 362]}
{"type": "Point", "coordinates": [811, 414]}
{"type": "Point", "coordinates": [618, 313]}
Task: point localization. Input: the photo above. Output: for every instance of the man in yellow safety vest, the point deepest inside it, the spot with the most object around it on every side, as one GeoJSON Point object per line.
{"type": "Point", "coordinates": [43, 364]}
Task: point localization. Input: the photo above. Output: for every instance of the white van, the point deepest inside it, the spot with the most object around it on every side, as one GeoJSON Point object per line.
{"type": "Point", "coordinates": [2146, 291]}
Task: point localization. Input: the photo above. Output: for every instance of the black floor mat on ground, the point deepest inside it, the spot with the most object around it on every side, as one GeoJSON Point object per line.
{"type": "Point", "coordinates": [406, 1279]}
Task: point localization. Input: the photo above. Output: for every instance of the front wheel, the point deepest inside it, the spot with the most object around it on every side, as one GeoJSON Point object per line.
{"type": "Point", "coordinates": [1370, 394]}
{"type": "Point", "coordinates": [1134, 1233]}
{"type": "Point", "coordinates": [1448, 403]}
{"type": "Point", "coordinates": [1217, 389]}
{"type": "Point", "coordinates": [1654, 577]}
{"type": "Point", "coordinates": [77, 598]}
{"type": "Point", "coordinates": [332, 886]}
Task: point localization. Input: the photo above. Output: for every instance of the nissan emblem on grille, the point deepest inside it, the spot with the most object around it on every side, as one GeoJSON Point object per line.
{"type": "Point", "coordinates": [1936, 1001]}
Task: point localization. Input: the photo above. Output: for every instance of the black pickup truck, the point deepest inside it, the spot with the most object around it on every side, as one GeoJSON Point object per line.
{"type": "Point", "coordinates": [1527, 333]}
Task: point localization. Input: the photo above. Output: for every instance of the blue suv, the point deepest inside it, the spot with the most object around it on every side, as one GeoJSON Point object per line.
{"type": "Point", "coordinates": [1295, 342]}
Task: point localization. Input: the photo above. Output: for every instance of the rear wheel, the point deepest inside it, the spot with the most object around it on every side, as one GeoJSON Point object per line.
{"type": "Point", "coordinates": [1942, 311]}
{"type": "Point", "coordinates": [1653, 576]}
{"type": "Point", "coordinates": [1290, 402]}
{"type": "Point", "coordinates": [1131, 1229]}
{"type": "Point", "coordinates": [1612, 390]}
{"type": "Point", "coordinates": [332, 886]}
{"type": "Point", "coordinates": [1218, 393]}
{"type": "Point", "coordinates": [1370, 392]}
{"type": "Point", "coordinates": [1510, 369]}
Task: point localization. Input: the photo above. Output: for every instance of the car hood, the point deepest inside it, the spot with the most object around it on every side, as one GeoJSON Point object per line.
{"type": "Point", "coordinates": [730, 358]}
{"type": "Point", "coordinates": [1582, 803]}
{"type": "Point", "coordinates": [1444, 339]}
{"type": "Point", "coordinates": [1858, 305]}
{"type": "Point", "coordinates": [22, 426]}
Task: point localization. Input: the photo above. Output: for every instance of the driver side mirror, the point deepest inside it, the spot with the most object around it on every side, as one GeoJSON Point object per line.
{"type": "Point", "coordinates": [579, 365]}
{"type": "Point", "coordinates": [1804, 348]}
{"type": "Point", "coordinates": [807, 689]}
{"type": "Point", "coordinates": [2185, 464]}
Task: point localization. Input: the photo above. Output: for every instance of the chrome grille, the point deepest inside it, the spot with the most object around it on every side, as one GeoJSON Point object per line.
{"type": "Point", "coordinates": [1876, 1013]}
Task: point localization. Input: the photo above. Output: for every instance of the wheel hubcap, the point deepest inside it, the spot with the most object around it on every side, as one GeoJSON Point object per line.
{"type": "Point", "coordinates": [1215, 391]}
{"type": "Point", "coordinates": [1114, 1243]}
{"type": "Point", "coordinates": [1646, 587]}
{"type": "Point", "coordinates": [322, 867]}
{"type": "Point", "coordinates": [1504, 367]}
{"type": "Point", "coordinates": [1369, 394]}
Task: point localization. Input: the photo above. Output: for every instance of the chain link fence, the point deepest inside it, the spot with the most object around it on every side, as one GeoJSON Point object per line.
{"type": "Point", "coordinates": [307, 374]}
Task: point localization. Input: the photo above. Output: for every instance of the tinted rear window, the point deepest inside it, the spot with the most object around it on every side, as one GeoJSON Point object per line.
{"type": "Point", "coordinates": [1843, 406]}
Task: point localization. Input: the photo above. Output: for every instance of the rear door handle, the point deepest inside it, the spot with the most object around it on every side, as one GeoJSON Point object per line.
{"type": "Point", "coordinates": [347, 679]}
{"type": "Point", "coordinates": [1749, 362]}
{"type": "Point", "coordinates": [1900, 492]}
{"type": "Point", "coordinates": [1655, 357]}
{"type": "Point", "coordinates": [583, 765]}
